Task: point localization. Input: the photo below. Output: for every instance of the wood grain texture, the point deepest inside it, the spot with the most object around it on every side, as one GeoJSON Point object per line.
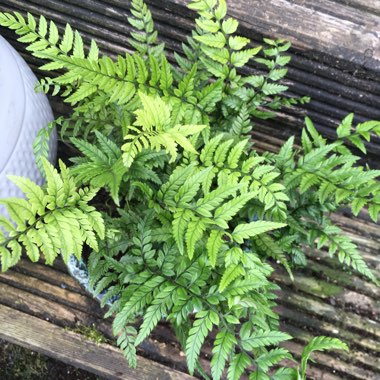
{"type": "Point", "coordinates": [341, 31]}
{"type": "Point", "coordinates": [74, 349]}
{"type": "Point", "coordinates": [371, 6]}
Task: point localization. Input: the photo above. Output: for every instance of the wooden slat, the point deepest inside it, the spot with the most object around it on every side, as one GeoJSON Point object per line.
{"type": "Point", "coordinates": [372, 6]}
{"type": "Point", "coordinates": [350, 321]}
{"type": "Point", "coordinates": [330, 292]}
{"type": "Point", "coordinates": [74, 349]}
{"type": "Point", "coordinates": [320, 327]}
{"type": "Point", "coordinates": [49, 275]}
{"type": "Point", "coordinates": [341, 32]}
{"type": "Point", "coordinates": [51, 292]}
{"type": "Point", "coordinates": [320, 267]}
{"type": "Point", "coordinates": [38, 306]}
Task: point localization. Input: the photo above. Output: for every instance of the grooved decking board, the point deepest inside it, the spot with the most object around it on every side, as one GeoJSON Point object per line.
{"type": "Point", "coordinates": [74, 349]}
{"type": "Point", "coordinates": [342, 31]}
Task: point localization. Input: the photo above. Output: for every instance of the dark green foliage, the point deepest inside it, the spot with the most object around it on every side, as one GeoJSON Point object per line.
{"type": "Point", "coordinates": [194, 212]}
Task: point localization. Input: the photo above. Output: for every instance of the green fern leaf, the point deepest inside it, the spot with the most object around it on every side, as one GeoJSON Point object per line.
{"type": "Point", "coordinates": [238, 365]}
{"type": "Point", "coordinates": [180, 224]}
{"type": "Point", "coordinates": [194, 233]}
{"type": "Point", "coordinates": [197, 335]}
{"type": "Point", "coordinates": [272, 357]}
{"type": "Point", "coordinates": [223, 346]}
{"type": "Point", "coordinates": [248, 230]}
{"type": "Point", "coordinates": [229, 275]}
{"type": "Point", "coordinates": [320, 343]}
{"type": "Point", "coordinates": [155, 312]}
{"type": "Point", "coordinates": [214, 243]}
{"type": "Point", "coordinates": [263, 338]}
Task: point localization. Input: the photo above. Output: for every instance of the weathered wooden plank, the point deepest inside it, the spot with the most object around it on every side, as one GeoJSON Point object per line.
{"type": "Point", "coordinates": [74, 349]}
{"type": "Point", "coordinates": [349, 320]}
{"type": "Point", "coordinates": [320, 327]}
{"type": "Point", "coordinates": [372, 6]}
{"type": "Point", "coordinates": [38, 306]}
{"type": "Point", "coordinates": [321, 268]}
{"type": "Point", "coordinates": [315, 28]}
{"type": "Point", "coordinates": [341, 10]}
{"type": "Point", "coordinates": [329, 292]}
{"type": "Point", "coordinates": [51, 292]}
{"type": "Point", "coordinates": [52, 307]}
{"type": "Point", "coordinates": [49, 275]}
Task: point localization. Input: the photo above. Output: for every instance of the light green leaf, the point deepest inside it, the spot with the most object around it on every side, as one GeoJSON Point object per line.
{"type": "Point", "coordinates": [248, 230]}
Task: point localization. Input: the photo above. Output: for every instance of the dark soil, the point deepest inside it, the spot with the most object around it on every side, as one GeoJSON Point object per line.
{"type": "Point", "coordinates": [18, 363]}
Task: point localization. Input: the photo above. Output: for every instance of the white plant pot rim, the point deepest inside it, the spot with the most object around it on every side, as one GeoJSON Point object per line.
{"type": "Point", "coordinates": [79, 271]}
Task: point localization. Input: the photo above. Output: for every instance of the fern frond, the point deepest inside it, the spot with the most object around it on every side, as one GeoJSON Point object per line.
{"type": "Point", "coordinates": [144, 39]}
{"type": "Point", "coordinates": [347, 251]}
{"type": "Point", "coordinates": [249, 230]}
{"type": "Point", "coordinates": [41, 145]}
{"type": "Point", "coordinates": [320, 343]}
{"type": "Point", "coordinates": [239, 363]}
{"type": "Point", "coordinates": [263, 338]}
{"type": "Point", "coordinates": [103, 166]}
{"type": "Point", "coordinates": [155, 312]}
{"type": "Point", "coordinates": [54, 220]}
{"type": "Point", "coordinates": [223, 346]}
{"type": "Point", "coordinates": [157, 131]}
{"type": "Point", "coordinates": [201, 327]}
{"type": "Point", "coordinates": [272, 357]}
{"type": "Point", "coordinates": [126, 342]}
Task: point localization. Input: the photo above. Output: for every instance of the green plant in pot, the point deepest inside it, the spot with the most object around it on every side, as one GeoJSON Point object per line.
{"type": "Point", "coordinates": [182, 216]}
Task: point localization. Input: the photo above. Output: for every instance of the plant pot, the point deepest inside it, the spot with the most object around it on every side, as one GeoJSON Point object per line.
{"type": "Point", "coordinates": [79, 271]}
{"type": "Point", "coordinates": [23, 112]}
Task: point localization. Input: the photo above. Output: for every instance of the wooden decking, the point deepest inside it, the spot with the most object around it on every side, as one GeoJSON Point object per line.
{"type": "Point", "coordinates": [322, 300]}
{"type": "Point", "coordinates": [336, 60]}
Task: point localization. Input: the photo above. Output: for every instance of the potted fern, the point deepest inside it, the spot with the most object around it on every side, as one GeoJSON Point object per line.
{"type": "Point", "coordinates": [193, 214]}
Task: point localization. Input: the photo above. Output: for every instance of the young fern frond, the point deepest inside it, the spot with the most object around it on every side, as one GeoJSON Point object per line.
{"type": "Point", "coordinates": [320, 343]}
{"type": "Point", "coordinates": [53, 220]}
{"type": "Point", "coordinates": [157, 131]}
{"type": "Point", "coordinates": [144, 38]}
{"type": "Point", "coordinates": [202, 325]}
{"type": "Point", "coordinates": [41, 145]}
{"type": "Point", "coordinates": [221, 52]}
{"type": "Point", "coordinates": [362, 132]}
{"type": "Point", "coordinates": [333, 171]}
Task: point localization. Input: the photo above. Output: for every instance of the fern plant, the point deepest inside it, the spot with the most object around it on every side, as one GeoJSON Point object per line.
{"type": "Point", "coordinates": [194, 215]}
